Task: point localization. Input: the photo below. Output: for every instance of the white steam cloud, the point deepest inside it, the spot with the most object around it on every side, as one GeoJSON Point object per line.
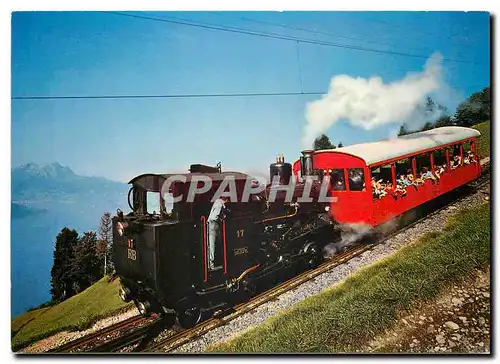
{"type": "Point", "coordinates": [369, 103]}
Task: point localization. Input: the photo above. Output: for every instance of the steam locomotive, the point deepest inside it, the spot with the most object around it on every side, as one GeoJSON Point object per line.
{"type": "Point", "coordinates": [161, 257]}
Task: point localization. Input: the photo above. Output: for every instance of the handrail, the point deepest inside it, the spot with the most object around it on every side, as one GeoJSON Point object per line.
{"type": "Point", "coordinates": [204, 228]}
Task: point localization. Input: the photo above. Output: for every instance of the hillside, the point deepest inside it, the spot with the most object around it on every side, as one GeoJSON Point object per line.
{"type": "Point", "coordinates": [77, 313]}
{"type": "Point", "coordinates": [46, 198]}
{"type": "Point", "coordinates": [484, 139]}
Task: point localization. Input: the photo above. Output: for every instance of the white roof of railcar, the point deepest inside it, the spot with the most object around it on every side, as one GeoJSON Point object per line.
{"type": "Point", "coordinates": [376, 152]}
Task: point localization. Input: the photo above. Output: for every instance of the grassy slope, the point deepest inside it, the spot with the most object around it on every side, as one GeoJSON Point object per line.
{"type": "Point", "coordinates": [484, 139]}
{"type": "Point", "coordinates": [342, 318]}
{"type": "Point", "coordinates": [76, 313]}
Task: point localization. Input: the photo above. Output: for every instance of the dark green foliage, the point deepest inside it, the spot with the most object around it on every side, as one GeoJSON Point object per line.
{"type": "Point", "coordinates": [61, 278]}
{"type": "Point", "coordinates": [475, 109]}
{"type": "Point", "coordinates": [427, 126]}
{"type": "Point", "coordinates": [436, 114]}
{"type": "Point", "coordinates": [323, 142]}
{"type": "Point", "coordinates": [403, 130]}
{"type": "Point", "coordinates": [105, 241]}
{"type": "Point", "coordinates": [79, 262]}
{"type": "Point", "coordinates": [340, 145]}
{"type": "Point", "coordinates": [85, 267]}
{"type": "Point", "coordinates": [443, 120]}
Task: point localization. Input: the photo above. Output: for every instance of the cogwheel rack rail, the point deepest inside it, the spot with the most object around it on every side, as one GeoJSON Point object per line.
{"type": "Point", "coordinates": [184, 336]}
{"type": "Point", "coordinates": [88, 340]}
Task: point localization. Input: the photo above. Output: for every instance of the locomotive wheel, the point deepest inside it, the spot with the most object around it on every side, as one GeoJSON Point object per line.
{"type": "Point", "coordinates": [315, 258]}
{"type": "Point", "coordinates": [189, 317]}
{"type": "Point", "coordinates": [249, 288]}
{"type": "Point", "coordinates": [144, 308]}
{"type": "Point", "coordinates": [125, 294]}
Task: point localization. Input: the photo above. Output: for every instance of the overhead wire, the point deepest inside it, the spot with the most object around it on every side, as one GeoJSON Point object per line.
{"type": "Point", "coordinates": [232, 29]}
{"type": "Point", "coordinates": [235, 95]}
{"type": "Point", "coordinates": [308, 30]}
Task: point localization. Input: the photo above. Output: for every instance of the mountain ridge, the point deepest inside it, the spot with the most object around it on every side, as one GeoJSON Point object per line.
{"type": "Point", "coordinates": [45, 199]}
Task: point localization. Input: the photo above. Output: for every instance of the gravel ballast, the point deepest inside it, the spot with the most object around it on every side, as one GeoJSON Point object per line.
{"type": "Point", "coordinates": [433, 223]}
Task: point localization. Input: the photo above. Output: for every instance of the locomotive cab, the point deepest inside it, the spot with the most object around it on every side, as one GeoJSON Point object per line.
{"type": "Point", "coordinates": [160, 249]}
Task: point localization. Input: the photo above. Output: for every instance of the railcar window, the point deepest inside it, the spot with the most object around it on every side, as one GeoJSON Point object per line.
{"type": "Point", "coordinates": [381, 180]}
{"type": "Point", "coordinates": [337, 179]}
{"type": "Point", "coordinates": [169, 202]}
{"type": "Point", "coordinates": [439, 157]}
{"type": "Point", "coordinates": [440, 166]}
{"type": "Point", "coordinates": [320, 173]}
{"type": "Point", "coordinates": [455, 157]}
{"type": "Point", "coordinates": [403, 167]}
{"type": "Point", "coordinates": [423, 162]}
{"type": "Point", "coordinates": [356, 179]}
{"type": "Point", "coordinates": [424, 170]}
{"type": "Point", "coordinates": [153, 202]}
{"type": "Point", "coordinates": [468, 154]}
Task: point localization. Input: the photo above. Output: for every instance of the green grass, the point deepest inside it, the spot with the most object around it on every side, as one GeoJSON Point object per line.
{"type": "Point", "coordinates": [76, 313]}
{"type": "Point", "coordinates": [484, 139]}
{"type": "Point", "coordinates": [345, 316]}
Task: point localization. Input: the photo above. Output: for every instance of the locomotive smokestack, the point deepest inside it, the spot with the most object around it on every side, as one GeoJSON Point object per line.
{"type": "Point", "coordinates": [306, 163]}
{"type": "Point", "coordinates": [281, 169]}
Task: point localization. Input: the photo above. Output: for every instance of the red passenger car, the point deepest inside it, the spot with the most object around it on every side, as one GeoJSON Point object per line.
{"type": "Point", "coordinates": [374, 182]}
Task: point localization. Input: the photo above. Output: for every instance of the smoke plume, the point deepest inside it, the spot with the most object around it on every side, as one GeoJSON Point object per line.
{"type": "Point", "coordinates": [369, 103]}
{"type": "Point", "coordinates": [352, 233]}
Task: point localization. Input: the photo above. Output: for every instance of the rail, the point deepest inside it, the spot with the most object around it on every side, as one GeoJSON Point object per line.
{"type": "Point", "coordinates": [182, 337]}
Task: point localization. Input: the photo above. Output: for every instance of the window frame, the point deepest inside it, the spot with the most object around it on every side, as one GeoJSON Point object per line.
{"type": "Point", "coordinates": [343, 174]}
{"type": "Point", "coordinates": [348, 184]}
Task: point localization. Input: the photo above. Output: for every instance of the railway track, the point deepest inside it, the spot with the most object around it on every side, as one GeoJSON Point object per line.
{"type": "Point", "coordinates": [182, 337]}
{"type": "Point", "coordinates": [179, 338]}
{"type": "Point", "coordinates": [89, 341]}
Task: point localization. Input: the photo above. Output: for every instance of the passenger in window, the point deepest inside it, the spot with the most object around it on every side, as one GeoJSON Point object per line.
{"type": "Point", "coordinates": [426, 174]}
{"type": "Point", "coordinates": [439, 170]}
{"type": "Point", "coordinates": [471, 156]}
{"type": "Point", "coordinates": [400, 189]}
{"type": "Point", "coordinates": [457, 160]}
{"type": "Point", "coordinates": [401, 184]}
{"type": "Point", "coordinates": [420, 181]}
{"type": "Point", "coordinates": [377, 189]}
{"type": "Point", "coordinates": [406, 181]}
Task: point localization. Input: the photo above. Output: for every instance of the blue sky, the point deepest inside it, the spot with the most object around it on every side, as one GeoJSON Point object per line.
{"type": "Point", "coordinates": [85, 53]}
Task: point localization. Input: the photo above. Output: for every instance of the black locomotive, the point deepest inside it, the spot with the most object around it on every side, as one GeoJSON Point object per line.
{"type": "Point", "coordinates": [161, 256]}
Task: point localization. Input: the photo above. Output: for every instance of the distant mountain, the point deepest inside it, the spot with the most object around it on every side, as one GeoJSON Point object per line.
{"type": "Point", "coordinates": [32, 182]}
{"type": "Point", "coordinates": [46, 198]}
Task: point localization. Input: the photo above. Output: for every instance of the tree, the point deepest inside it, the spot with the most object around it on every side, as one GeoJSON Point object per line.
{"type": "Point", "coordinates": [323, 142]}
{"type": "Point", "coordinates": [476, 109]}
{"type": "Point", "coordinates": [430, 105]}
{"type": "Point", "coordinates": [86, 267]}
{"type": "Point", "coordinates": [340, 145]}
{"type": "Point", "coordinates": [443, 120]}
{"type": "Point", "coordinates": [105, 240]}
{"type": "Point", "coordinates": [427, 126]}
{"type": "Point", "coordinates": [402, 130]}
{"type": "Point", "coordinates": [61, 274]}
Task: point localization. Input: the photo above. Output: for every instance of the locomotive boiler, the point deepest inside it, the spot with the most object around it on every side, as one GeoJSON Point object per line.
{"type": "Point", "coordinates": [161, 252]}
